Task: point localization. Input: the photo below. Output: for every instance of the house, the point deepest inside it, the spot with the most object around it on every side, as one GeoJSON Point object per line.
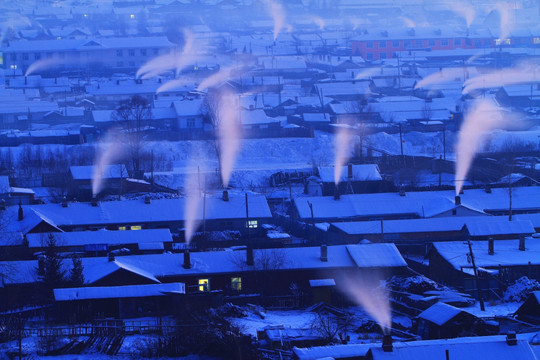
{"type": "Point", "coordinates": [219, 214]}
{"type": "Point", "coordinates": [271, 272]}
{"type": "Point", "coordinates": [498, 262]}
{"type": "Point", "coordinates": [83, 304]}
{"type": "Point", "coordinates": [529, 311]}
{"type": "Point", "coordinates": [189, 115]}
{"type": "Point", "coordinates": [443, 321]}
{"type": "Point", "coordinates": [82, 177]}
{"type": "Point", "coordinates": [353, 179]}
{"type": "Point", "coordinates": [93, 243]}
{"type": "Point", "coordinates": [411, 205]}
{"type": "Point", "coordinates": [113, 54]}
{"type": "Point", "coordinates": [10, 195]}
{"type": "Point", "coordinates": [498, 347]}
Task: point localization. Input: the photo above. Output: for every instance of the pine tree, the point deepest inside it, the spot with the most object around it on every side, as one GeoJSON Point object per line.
{"type": "Point", "coordinates": [76, 276]}
{"type": "Point", "coordinates": [53, 273]}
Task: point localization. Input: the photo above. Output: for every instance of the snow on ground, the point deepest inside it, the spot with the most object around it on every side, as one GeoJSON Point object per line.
{"type": "Point", "coordinates": [294, 319]}
{"type": "Point", "coordinates": [500, 309]}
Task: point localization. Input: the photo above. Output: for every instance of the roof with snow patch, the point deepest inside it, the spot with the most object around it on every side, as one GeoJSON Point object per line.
{"type": "Point", "coordinates": [116, 292]}
{"type": "Point", "coordinates": [440, 313]}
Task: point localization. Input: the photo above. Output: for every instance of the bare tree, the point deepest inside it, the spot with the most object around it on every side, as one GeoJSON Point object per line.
{"type": "Point", "coordinates": [211, 113]}
{"type": "Point", "coordinates": [134, 115]}
{"type": "Point", "coordinates": [332, 326]}
{"type": "Point", "coordinates": [427, 112]}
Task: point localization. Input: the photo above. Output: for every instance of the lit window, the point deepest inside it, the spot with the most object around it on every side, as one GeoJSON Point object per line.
{"type": "Point", "coordinates": [252, 224]}
{"type": "Point", "coordinates": [121, 228]}
{"type": "Point", "coordinates": [132, 16]}
{"type": "Point", "coordinates": [204, 285]}
{"type": "Point", "coordinates": [236, 283]}
{"type": "Point", "coordinates": [536, 40]}
{"type": "Point", "coordinates": [136, 227]}
{"type": "Point", "coordinates": [502, 42]}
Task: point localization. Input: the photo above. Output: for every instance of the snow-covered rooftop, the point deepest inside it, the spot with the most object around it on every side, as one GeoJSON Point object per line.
{"type": "Point", "coordinates": [440, 313]}
{"type": "Point", "coordinates": [116, 292]}
{"type": "Point", "coordinates": [362, 172]}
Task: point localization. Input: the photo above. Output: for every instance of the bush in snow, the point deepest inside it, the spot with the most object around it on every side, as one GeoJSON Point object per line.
{"type": "Point", "coordinates": [414, 284]}
{"type": "Point", "coordinates": [521, 289]}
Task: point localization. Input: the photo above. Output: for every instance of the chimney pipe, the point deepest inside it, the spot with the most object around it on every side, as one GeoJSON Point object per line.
{"type": "Point", "coordinates": [21, 213]}
{"type": "Point", "coordinates": [522, 242]}
{"type": "Point", "coordinates": [457, 200]}
{"type": "Point", "coordinates": [488, 189]}
{"type": "Point", "coordinates": [336, 193]}
{"type": "Point", "coordinates": [94, 201]}
{"type": "Point", "coordinates": [324, 253]}
{"type": "Point", "coordinates": [225, 195]}
{"type": "Point", "coordinates": [64, 202]}
{"type": "Point", "coordinates": [2, 204]}
{"type": "Point", "coordinates": [147, 199]}
{"type": "Point", "coordinates": [187, 259]}
{"type": "Point", "coordinates": [511, 338]}
{"type": "Point", "coordinates": [349, 171]}
{"type": "Point", "coordinates": [491, 246]}
{"type": "Point", "coordinates": [387, 343]}
{"type": "Point", "coordinates": [25, 80]}
{"type": "Point", "coordinates": [111, 257]}
{"type": "Point", "coordinates": [249, 255]}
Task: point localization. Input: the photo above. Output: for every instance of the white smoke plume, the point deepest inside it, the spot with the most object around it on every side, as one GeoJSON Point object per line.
{"type": "Point", "coordinates": [521, 74]}
{"type": "Point", "coordinates": [229, 134]}
{"type": "Point", "coordinates": [193, 203]}
{"type": "Point", "coordinates": [483, 117]}
{"type": "Point", "coordinates": [465, 9]}
{"type": "Point", "coordinates": [343, 151]}
{"type": "Point", "coordinates": [366, 290]}
{"type": "Point", "coordinates": [444, 75]}
{"type": "Point", "coordinates": [111, 149]}
{"type": "Point", "coordinates": [278, 15]}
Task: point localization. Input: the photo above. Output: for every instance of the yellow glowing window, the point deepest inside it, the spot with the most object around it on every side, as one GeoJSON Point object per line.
{"type": "Point", "coordinates": [132, 16]}
{"type": "Point", "coordinates": [236, 283]}
{"type": "Point", "coordinates": [502, 42]}
{"type": "Point", "coordinates": [204, 285]}
{"type": "Point", "coordinates": [252, 224]}
{"type": "Point", "coordinates": [121, 228]}
{"type": "Point", "coordinates": [136, 227]}
{"type": "Point", "coordinates": [536, 40]}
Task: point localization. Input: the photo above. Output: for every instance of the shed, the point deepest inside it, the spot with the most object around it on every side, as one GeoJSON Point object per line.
{"type": "Point", "coordinates": [441, 321]}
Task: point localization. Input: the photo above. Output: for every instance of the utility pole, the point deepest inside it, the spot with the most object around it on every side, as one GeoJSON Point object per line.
{"type": "Point", "coordinates": [401, 144]}
{"type": "Point", "coordinates": [444, 142]}
{"type": "Point", "coordinates": [312, 221]}
{"type": "Point", "coordinates": [480, 299]}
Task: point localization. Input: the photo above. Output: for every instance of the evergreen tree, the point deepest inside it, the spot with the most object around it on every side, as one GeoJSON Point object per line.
{"type": "Point", "coordinates": [53, 273]}
{"type": "Point", "coordinates": [76, 276]}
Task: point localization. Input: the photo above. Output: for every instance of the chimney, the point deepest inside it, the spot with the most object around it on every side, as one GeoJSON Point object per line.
{"type": "Point", "coordinates": [64, 202]}
{"type": "Point", "coordinates": [111, 257]}
{"type": "Point", "coordinates": [25, 80]}
{"type": "Point", "coordinates": [21, 214]}
{"type": "Point", "coordinates": [511, 338]}
{"type": "Point", "coordinates": [249, 256]}
{"type": "Point", "coordinates": [2, 204]}
{"type": "Point", "coordinates": [402, 192]}
{"type": "Point", "coordinates": [522, 243]}
{"type": "Point", "coordinates": [56, 80]}
{"type": "Point", "coordinates": [349, 171]}
{"type": "Point", "coordinates": [387, 343]}
{"type": "Point", "coordinates": [491, 246]}
{"type": "Point", "coordinates": [147, 199]}
{"type": "Point", "coordinates": [94, 201]}
{"type": "Point", "coordinates": [324, 253]}
{"type": "Point", "coordinates": [488, 189]}
{"type": "Point", "coordinates": [225, 195]}
{"type": "Point", "coordinates": [457, 200]}
{"type": "Point", "coordinates": [187, 259]}
{"type": "Point", "coordinates": [336, 193]}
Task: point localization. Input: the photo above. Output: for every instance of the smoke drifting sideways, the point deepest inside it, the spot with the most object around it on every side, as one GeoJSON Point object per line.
{"type": "Point", "coordinates": [504, 19]}
{"type": "Point", "coordinates": [368, 291]}
{"type": "Point", "coordinates": [193, 203]}
{"type": "Point", "coordinates": [464, 9]}
{"type": "Point", "coordinates": [484, 116]}
{"type": "Point", "coordinates": [229, 133]}
{"type": "Point", "coordinates": [171, 61]}
{"type": "Point", "coordinates": [444, 75]}
{"type": "Point", "coordinates": [523, 73]}
{"type": "Point", "coordinates": [14, 22]}
{"type": "Point", "coordinates": [278, 15]}
{"type": "Point", "coordinates": [343, 151]}
{"type": "Point", "coordinates": [111, 149]}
